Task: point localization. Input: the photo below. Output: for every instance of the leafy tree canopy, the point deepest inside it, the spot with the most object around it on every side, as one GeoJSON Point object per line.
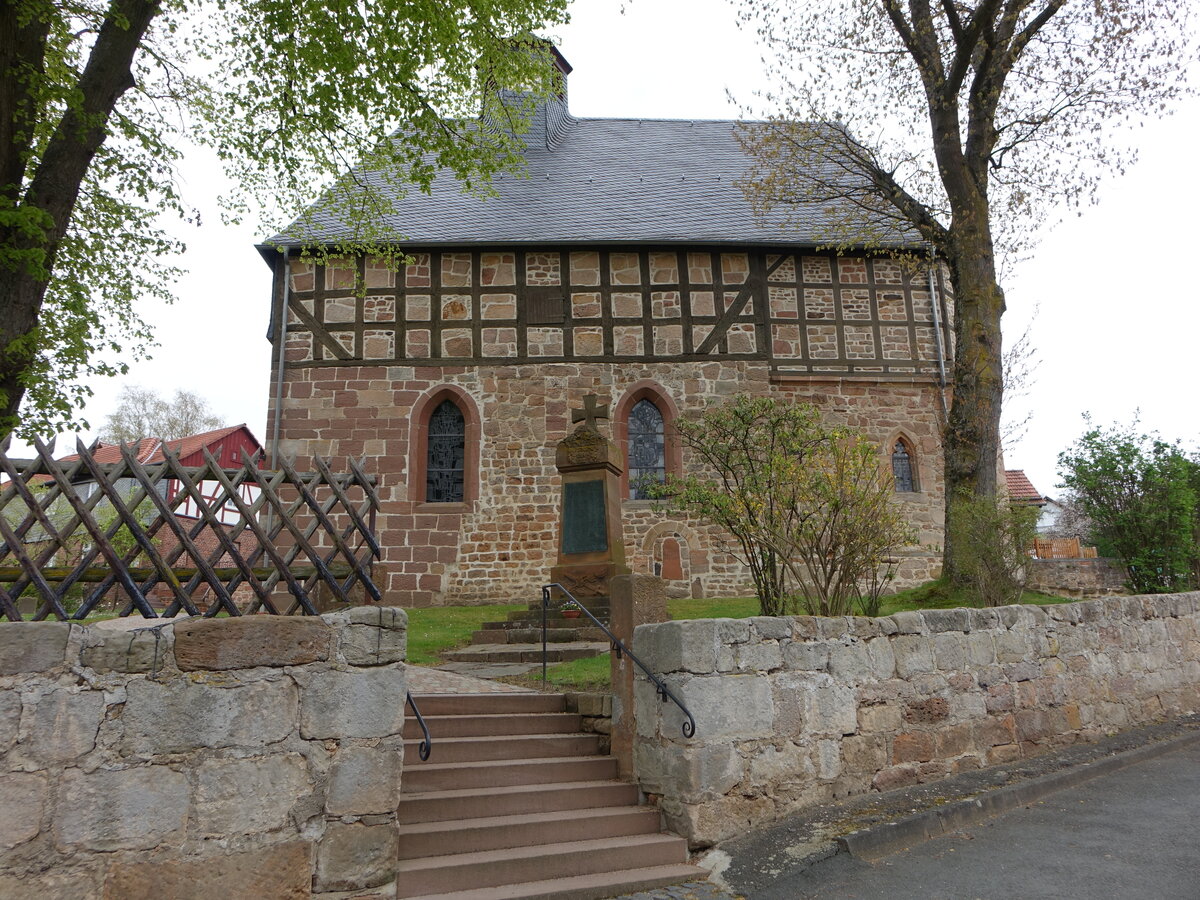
{"type": "Point", "coordinates": [143, 413]}
{"type": "Point", "coordinates": [98, 98]}
{"type": "Point", "coordinates": [959, 124]}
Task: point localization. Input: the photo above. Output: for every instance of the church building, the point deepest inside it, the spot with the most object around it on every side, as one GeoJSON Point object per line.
{"type": "Point", "coordinates": [626, 263]}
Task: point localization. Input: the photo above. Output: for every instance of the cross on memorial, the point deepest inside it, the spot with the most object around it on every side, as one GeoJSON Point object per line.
{"type": "Point", "coordinates": [590, 413]}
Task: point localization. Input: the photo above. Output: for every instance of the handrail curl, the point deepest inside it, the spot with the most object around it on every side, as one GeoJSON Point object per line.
{"type": "Point", "coordinates": [618, 646]}
{"type": "Point", "coordinates": [426, 746]}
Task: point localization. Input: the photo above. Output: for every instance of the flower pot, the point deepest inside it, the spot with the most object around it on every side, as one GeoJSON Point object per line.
{"type": "Point", "coordinates": [571, 613]}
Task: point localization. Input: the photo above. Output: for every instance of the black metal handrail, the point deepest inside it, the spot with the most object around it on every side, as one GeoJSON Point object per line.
{"type": "Point", "coordinates": [619, 648]}
{"type": "Point", "coordinates": [426, 745]}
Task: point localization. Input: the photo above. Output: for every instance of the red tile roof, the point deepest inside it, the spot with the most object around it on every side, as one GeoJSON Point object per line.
{"type": "Point", "coordinates": [150, 450]}
{"type": "Point", "coordinates": [1021, 489]}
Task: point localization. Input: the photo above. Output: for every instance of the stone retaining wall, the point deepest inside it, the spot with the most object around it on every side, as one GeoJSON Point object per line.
{"type": "Point", "coordinates": [249, 757]}
{"type": "Point", "coordinates": [1076, 577]}
{"type": "Point", "coordinates": [798, 711]}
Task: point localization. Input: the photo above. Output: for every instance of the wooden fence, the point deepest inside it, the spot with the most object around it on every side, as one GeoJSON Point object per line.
{"type": "Point", "coordinates": [76, 533]}
{"type": "Point", "coordinates": [1061, 548]}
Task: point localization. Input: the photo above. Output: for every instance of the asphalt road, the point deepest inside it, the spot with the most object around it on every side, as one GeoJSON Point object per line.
{"type": "Point", "coordinates": [1131, 835]}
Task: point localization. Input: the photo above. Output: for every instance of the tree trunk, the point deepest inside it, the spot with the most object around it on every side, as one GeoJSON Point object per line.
{"type": "Point", "coordinates": [44, 212]}
{"type": "Point", "coordinates": [972, 439]}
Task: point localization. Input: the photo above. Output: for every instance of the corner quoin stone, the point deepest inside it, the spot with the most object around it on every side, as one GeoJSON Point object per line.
{"type": "Point", "coordinates": [338, 705]}
{"type": "Point", "coordinates": [251, 641]}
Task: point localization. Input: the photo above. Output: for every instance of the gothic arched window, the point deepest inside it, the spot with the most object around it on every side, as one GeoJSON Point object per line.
{"type": "Point", "coordinates": [902, 468]}
{"type": "Point", "coordinates": [647, 448]}
{"type": "Point", "coordinates": [445, 455]}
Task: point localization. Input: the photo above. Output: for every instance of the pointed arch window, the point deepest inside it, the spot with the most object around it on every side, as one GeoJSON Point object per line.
{"type": "Point", "coordinates": [445, 461]}
{"type": "Point", "coordinates": [902, 468]}
{"type": "Point", "coordinates": [647, 448]}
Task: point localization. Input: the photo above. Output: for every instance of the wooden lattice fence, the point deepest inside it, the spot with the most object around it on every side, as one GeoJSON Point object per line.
{"type": "Point", "coordinates": [77, 535]}
{"type": "Point", "coordinates": [1062, 548]}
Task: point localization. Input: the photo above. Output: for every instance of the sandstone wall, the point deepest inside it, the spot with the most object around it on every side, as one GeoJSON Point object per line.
{"type": "Point", "coordinates": [499, 545]}
{"type": "Point", "coordinates": [1076, 577]}
{"type": "Point", "coordinates": [798, 711]}
{"type": "Point", "coordinates": [222, 758]}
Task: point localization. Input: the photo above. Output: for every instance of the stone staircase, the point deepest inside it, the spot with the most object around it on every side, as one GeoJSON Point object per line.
{"type": "Point", "coordinates": [519, 638]}
{"type": "Point", "coordinates": [516, 803]}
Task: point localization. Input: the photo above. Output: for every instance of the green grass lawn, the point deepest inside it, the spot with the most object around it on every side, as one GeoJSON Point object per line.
{"type": "Point", "coordinates": [435, 630]}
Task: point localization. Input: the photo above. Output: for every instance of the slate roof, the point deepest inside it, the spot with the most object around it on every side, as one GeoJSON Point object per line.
{"type": "Point", "coordinates": [611, 181]}
{"type": "Point", "coordinates": [1021, 489]}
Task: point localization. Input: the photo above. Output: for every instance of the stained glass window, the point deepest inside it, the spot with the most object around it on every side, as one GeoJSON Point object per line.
{"type": "Point", "coordinates": [445, 455]}
{"type": "Point", "coordinates": [647, 458]}
{"type": "Point", "coordinates": [902, 468]}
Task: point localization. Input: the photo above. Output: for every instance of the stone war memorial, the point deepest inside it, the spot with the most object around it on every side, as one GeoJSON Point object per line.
{"type": "Point", "coordinates": [591, 542]}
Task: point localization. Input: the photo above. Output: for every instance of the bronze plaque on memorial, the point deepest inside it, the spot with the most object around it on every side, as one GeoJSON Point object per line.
{"type": "Point", "coordinates": [584, 528]}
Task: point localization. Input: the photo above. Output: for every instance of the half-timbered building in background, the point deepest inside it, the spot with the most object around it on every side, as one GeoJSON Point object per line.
{"type": "Point", "coordinates": [625, 262]}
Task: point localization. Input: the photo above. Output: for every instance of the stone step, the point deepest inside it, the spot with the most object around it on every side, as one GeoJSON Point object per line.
{"type": "Point", "coordinates": [489, 704]}
{"type": "Point", "coordinates": [505, 773]}
{"type": "Point", "coordinates": [534, 746]}
{"type": "Point", "coordinates": [527, 652]}
{"type": "Point", "coordinates": [499, 832]}
{"type": "Point", "coordinates": [498, 724]}
{"type": "Point", "coordinates": [582, 887]}
{"type": "Point", "coordinates": [562, 635]}
{"type": "Point", "coordinates": [516, 865]}
{"type": "Point", "coordinates": [521, 799]}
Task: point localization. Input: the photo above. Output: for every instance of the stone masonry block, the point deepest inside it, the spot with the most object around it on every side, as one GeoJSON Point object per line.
{"type": "Point", "coordinates": [726, 706]}
{"type": "Point", "coordinates": [758, 656]}
{"type": "Point", "coordinates": [883, 658]}
{"type": "Point", "coordinates": [850, 663]}
{"type": "Point", "coordinates": [697, 773]}
{"type": "Point", "coordinates": [250, 641]}
{"type": "Point", "coordinates": [32, 646]}
{"type": "Point", "coordinates": [829, 707]}
{"type": "Point", "coordinates": [22, 801]}
{"type": "Point", "coordinates": [121, 809]}
{"type": "Point", "coordinates": [278, 872]}
{"type": "Point", "coordinates": [183, 715]}
{"type": "Point", "coordinates": [363, 781]}
{"type": "Point", "coordinates": [371, 635]}
{"type": "Point", "coordinates": [141, 650]}
{"type": "Point", "coordinates": [64, 725]}
{"type": "Point", "coordinates": [353, 856]}
{"type": "Point", "coordinates": [246, 796]}
{"type": "Point", "coordinates": [54, 885]}
{"type": "Point", "coordinates": [775, 628]}
{"type": "Point", "coordinates": [807, 656]}
{"type": "Point", "coordinates": [367, 703]}
{"type": "Point", "coordinates": [909, 622]}
{"type": "Point", "coordinates": [914, 654]}
{"type": "Point", "coordinates": [940, 620]}
{"type": "Point", "coordinates": [688, 646]}
{"type": "Point", "coordinates": [10, 718]}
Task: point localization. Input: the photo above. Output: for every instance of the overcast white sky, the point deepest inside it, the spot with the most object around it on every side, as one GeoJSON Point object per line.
{"type": "Point", "coordinates": [1119, 301]}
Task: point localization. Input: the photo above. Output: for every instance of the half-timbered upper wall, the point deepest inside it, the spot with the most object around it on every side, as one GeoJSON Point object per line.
{"type": "Point", "coordinates": [804, 312]}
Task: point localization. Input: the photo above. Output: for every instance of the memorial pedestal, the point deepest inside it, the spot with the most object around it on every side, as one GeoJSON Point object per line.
{"type": "Point", "coordinates": [591, 546]}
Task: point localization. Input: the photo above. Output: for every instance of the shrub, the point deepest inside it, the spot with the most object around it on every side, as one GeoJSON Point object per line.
{"type": "Point", "coordinates": [1142, 495]}
{"type": "Point", "coordinates": [993, 540]}
{"type": "Point", "coordinates": [810, 507]}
